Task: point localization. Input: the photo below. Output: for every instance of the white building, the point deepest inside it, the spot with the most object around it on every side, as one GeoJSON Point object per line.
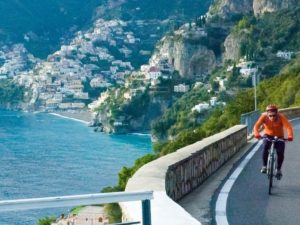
{"type": "Point", "coordinates": [284, 54]}
{"type": "Point", "coordinates": [200, 107]}
{"type": "Point", "coordinates": [98, 82]}
{"type": "Point", "coordinates": [81, 95]}
{"type": "Point", "coordinates": [213, 101]}
{"type": "Point", "coordinates": [181, 88]}
{"type": "Point", "coordinates": [153, 73]}
{"type": "Point", "coordinates": [247, 68]}
{"type": "Point", "coordinates": [246, 72]}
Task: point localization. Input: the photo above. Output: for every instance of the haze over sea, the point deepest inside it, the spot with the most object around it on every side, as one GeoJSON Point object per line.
{"type": "Point", "coordinates": [43, 155]}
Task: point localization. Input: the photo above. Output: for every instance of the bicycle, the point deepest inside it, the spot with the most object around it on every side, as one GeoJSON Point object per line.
{"type": "Point", "coordinates": [272, 161]}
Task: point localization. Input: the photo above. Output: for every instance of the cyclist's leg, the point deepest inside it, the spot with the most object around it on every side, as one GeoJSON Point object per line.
{"type": "Point", "coordinates": [280, 146]}
{"type": "Point", "coordinates": [266, 147]}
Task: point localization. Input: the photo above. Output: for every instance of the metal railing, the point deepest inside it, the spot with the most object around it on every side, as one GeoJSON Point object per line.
{"type": "Point", "coordinates": [249, 120]}
{"type": "Point", "coordinates": [87, 199]}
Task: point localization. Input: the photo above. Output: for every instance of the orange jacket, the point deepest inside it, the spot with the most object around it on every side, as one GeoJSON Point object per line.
{"type": "Point", "coordinates": [274, 128]}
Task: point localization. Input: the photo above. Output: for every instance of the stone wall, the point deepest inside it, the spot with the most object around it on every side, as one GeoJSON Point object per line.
{"type": "Point", "coordinates": [291, 112]}
{"type": "Point", "coordinates": [184, 176]}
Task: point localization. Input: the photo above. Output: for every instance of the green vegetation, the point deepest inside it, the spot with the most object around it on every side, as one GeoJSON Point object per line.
{"type": "Point", "coordinates": [46, 221]}
{"type": "Point", "coordinates": [119, 109]}
{"type": "Point", "coordinates": [221, 119]}
{"type": "Point", "coordinates": [180, 116]}
{"type": "Point", "coordinates": [114, 212]}
{"type": "Point", "coordinates": [261, 38]}
{"type": "Point", "coordinates": [76, 210]}
{"type": "Point", "coordinates": [282, 90]}
{"type": "Point", "coordinates": [10, 92]}
{"type": "Point", "coordinates": [156, 9]}
{"type": "Point", "coordinates": [44, 22]}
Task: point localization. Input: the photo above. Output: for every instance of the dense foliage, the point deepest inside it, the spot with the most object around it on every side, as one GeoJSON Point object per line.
{"type": "Point", "coordinates": [283, 90]}
{"type": "Point", "coordinates": [157, 9]}
{"type": "Point", "coordinates": [261, 38]}
{"type": "Point", "coordinates": [221, 119]}
{"type": "Point", "coordinates": [279, 31]}
{"type": "Point", "coordinates": [10, 92]}
{"type": "Point", "coordinates": [43, 22]}
{"type": "Point", "coordinates": [117, 107]}
{"type": "Point", "coordinates": [180, 116]}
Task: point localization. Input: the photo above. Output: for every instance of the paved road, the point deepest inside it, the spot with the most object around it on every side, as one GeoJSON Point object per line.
{"type": "Point", "coordinates": [249, 203]}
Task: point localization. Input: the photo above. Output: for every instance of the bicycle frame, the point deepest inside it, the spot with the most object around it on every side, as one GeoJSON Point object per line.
{"type": "Point", "coordinates": [272, 161]}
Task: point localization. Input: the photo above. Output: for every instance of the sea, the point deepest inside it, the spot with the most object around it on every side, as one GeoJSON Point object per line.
{"type": "Point", "coordinates": [42, 155]}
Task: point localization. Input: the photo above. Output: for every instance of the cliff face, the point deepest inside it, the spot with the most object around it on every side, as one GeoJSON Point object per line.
{"type": "Point", "coordinates": [261, 6]}
{"type": "Point", "coordinates": [228, 9]}
{"type": "Point", "coordinates": [186, 53]}
{"type": "Point", "coordinates": [232, 46]}
{"type": "Point", "coordinates": [155, 108]}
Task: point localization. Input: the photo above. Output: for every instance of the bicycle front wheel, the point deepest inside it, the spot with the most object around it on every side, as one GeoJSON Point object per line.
{"type": "Point", "coordinates": [271, 173]}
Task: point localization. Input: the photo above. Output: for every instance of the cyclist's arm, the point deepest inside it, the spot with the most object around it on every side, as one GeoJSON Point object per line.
{"type": "Point", "coordinates": [258, 124]}
{"type": "Point", "coordinates": [288, 126]}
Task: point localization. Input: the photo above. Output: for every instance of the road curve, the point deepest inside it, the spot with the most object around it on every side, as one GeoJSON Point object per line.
{"type": "Point", "coordinates": [248, 201]}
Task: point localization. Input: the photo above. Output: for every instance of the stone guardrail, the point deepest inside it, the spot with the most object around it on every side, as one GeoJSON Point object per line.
{"type": "Point", "coordinates": [291, 113]}
{"type": "Point", "coordinates": [186, 175]}
{"type": "Point", "coordinates": [173, 176]}
{"type": "Point", "coordinates": [249, 119]}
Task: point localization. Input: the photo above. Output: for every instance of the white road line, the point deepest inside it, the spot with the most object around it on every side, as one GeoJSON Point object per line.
{"type": "Point", "coordinates": [221, 217]}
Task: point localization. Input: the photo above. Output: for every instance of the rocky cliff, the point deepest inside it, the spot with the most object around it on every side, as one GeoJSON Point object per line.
{"type": "Point", "coordinates": [230, 9]}
{"type": "Point", "coordinates": [186, 51]}
{"type": "Point", "coordinates": [232, 46]}
{"type": "Point", "coordinates": [108, 122]}
{"type": "Point", "coordinates": [261, 6]}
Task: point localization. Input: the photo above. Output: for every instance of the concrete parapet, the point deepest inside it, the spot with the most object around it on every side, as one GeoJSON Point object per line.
{"type": "Point", "coordinates": [291, 112]}
{"type": "Point", "coordinates": [177, 174]}
{"type": "Point", "coordinates": [203, 158]}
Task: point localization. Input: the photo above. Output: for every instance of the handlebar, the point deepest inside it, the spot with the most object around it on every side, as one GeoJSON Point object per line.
{"type": "Point", "coordinates": [275, 139]}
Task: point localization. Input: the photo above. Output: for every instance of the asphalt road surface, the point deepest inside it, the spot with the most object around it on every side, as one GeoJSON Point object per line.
{"type": "Point", "coordinates": [249, 202]}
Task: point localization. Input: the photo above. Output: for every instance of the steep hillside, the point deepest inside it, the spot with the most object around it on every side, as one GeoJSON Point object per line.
{"type": "Point", "coordinates": [42, 24]}
{"type": "Point", "coordinates": [262, 6]}
{"type": "Point", "coordinates": [260, 39]}
{"type": "Point", "coordinates": [153, 9]}
{"type": "Point", "coordinates": [228, 10]}
{"type": "Point", "coordinates": [282, 90]}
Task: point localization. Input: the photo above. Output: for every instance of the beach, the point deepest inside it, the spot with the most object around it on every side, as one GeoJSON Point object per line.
{"type": "Point", "coordinates": [80, 116]}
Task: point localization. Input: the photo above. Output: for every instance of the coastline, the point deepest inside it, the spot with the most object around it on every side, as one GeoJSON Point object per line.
{"type": "Point", "coordinates": [79, 116]}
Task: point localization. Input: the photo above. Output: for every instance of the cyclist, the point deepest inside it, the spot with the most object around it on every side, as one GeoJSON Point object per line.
{"type": "Point", "coordinates": [274, 124]}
